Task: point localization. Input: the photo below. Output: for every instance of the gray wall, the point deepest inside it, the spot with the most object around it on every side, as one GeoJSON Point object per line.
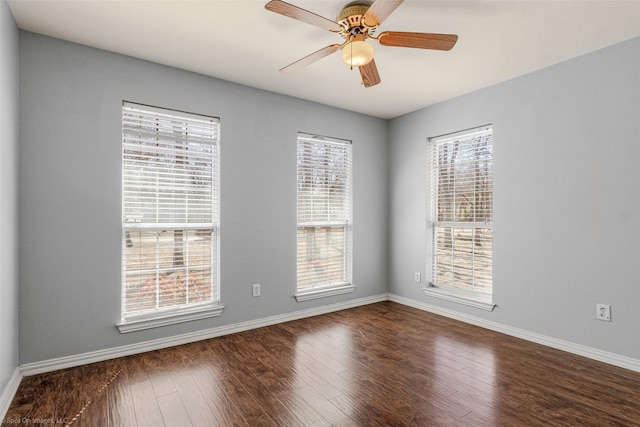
{"type": "Point", "coordinates": [70, 208]}
{"type": "Point", "coordinates": [567, 209]}
{"type": "Point", "coordinates": [8, 195]}
{"type": "Point", "coordinates": [567, 204]}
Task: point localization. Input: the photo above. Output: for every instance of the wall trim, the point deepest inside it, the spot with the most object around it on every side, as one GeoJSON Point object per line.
{"type": "Point", "coordinates": [127, 350]}
{"type": "Point", "coordinates": [327, 291]}
{"type": "Point", "coordinates": [580, 350]}
{"type": "Point", "coordinates": [50, 365]}
{"type": "Point", "coordinates": [9, 392]}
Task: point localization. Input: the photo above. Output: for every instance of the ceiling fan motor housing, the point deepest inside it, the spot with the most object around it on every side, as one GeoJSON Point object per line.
{"type": "Point", "coordinates": [350, 19]}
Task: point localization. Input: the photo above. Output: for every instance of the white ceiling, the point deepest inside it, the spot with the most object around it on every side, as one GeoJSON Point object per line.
{"type": "Point", "coordinates": [240, 41]}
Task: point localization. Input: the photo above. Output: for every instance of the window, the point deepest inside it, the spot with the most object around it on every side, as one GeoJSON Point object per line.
{"type": "Point", "coordinates": [461, 198]}
{"type": "Point", "coordinates": [324, 217]}
{"type": "Point", "coordinates": [170, 197]}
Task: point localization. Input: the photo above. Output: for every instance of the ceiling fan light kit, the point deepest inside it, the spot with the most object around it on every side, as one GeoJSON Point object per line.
{"type": "Point", "coordinates": [357, 52]}
{"type": "Point", "coordinates": [356, 23]}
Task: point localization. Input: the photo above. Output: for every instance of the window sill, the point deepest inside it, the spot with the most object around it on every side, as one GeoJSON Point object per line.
{"type": "Point", "coordinates": [461, 297]}
{"type": "Point", "coordinates": [156, 320]}
{"type": "Point", "coordinates": [327, 291]}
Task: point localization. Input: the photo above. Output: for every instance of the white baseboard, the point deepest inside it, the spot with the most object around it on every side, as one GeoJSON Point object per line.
{"type": "Point", "coordinates": [9, 392]}
{"type": "Point", "coordinates": [127, 350]}
{"type": "Point", "coordinates": [581, 350]}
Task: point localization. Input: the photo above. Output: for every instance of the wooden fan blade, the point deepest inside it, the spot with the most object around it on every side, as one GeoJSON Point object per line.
{"type": "Point", "coordinates": [379, 11]}
{"type": "Point", "coordinates": [309, 59]}
{"type": "Point", "coordinates": [369, 74]}
{"type": "Point", "coordinates": [418, 40]}
{"type": "Point", "coordinates": [303, 15]}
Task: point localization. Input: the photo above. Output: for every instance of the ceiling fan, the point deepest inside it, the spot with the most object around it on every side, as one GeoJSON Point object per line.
{"type": "Point", "coordinates": [356, 23]}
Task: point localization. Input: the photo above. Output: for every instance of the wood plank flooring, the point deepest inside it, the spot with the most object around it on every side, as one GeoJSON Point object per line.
{"type": "Point", "coordinates": [378, 365]}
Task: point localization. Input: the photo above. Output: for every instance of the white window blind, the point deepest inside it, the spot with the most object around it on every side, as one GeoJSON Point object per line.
{"type": "Point", "coordinates": [324, 212]}
{"type": "Point", "coordinates": [170, 199]}
{"type": "Point", "coordinates": [461, 184]}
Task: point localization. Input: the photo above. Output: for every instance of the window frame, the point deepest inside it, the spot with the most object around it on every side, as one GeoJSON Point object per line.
{"type": "Point", "coordinates": [314, 291]}
{"type": "Point", "coordinates": [475, 298]}
{"type": "Point", "coordinates": [160, 316]}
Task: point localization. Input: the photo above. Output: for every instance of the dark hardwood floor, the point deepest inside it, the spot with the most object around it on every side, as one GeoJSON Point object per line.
{"type": "Point", "coordinates": [378, 365]}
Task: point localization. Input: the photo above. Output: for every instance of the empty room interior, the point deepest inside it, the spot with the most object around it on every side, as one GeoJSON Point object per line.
{"type": "Point", "coordinates": [319, 212]}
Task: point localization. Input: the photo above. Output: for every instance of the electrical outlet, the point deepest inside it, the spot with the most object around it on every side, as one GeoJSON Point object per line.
{"type": "Point", "coordinates": [256, 289]}
{"type": "Point", "coordinates": [603, 312]}
{"type": "Point", "coordinates": [416, 277]}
